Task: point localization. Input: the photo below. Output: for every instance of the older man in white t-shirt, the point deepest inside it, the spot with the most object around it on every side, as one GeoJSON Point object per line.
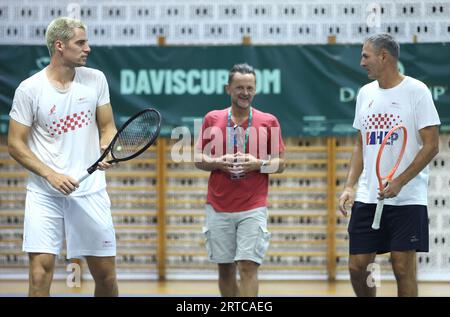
{"type": "Point", "coordinates": [404, 223]}
{"type": "Point", "coordinates": [60, 119]}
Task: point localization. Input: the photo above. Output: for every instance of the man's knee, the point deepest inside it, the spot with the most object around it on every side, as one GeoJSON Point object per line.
{"type": "Point", "coordinates": [227, 271]}
{"type": "Point", "coordinates": [248, 268]}
{"type": "Point", "coordinates": [40, 276]}
{"type": "Point", "coordinates": [109, 281]}
{"type": "Point", "coordinates": [404, 265]}
{"type": "Point", "coordinates": [357, 270]}
{"type": "Point", "coordinates": [403, 271]}
{"type": "Point", "coordinates": [106, 280]}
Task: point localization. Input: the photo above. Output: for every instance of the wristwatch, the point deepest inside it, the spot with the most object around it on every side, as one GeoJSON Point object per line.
{"type": "Point", "coordinates": [264, 163]}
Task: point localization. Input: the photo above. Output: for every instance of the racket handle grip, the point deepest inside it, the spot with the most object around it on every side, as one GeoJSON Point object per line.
{"type": "Point", "coordinates": [378, 213]}
{"type": "Point", "coordinates": [83, 177]}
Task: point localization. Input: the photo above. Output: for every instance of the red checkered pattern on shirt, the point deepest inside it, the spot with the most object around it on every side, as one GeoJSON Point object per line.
{"type": "Point", "coordinates": [70, 123]}
{"type": "Point", "coordinates": [380, 121]}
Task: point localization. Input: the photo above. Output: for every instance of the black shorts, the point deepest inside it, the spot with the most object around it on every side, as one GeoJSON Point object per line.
{"type": "Point", "coordinates": [402, 228]}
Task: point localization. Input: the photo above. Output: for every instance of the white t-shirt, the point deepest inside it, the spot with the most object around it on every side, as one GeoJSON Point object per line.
{"type": "Point", "coordinates": [64, 133]}
{"type": "Point", "coordinates": [409, 103]}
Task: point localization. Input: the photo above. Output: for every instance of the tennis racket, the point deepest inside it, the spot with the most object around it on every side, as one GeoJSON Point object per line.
{"type": "Point", "coordinates": [388, 159]}
{"type": "Point", "coordinates": [133, 138]}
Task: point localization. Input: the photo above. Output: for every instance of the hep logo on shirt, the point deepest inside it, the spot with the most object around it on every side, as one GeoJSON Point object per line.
{"type": "Point", "coordinates": [376, 137]}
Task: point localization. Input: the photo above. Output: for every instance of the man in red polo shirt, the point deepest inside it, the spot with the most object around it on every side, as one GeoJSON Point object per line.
{"type": "Point", "coordinates": [240, 145]}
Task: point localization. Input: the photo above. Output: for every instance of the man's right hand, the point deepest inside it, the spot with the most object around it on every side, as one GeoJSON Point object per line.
{"type": "Point", "coordinates": [63, 183]}
{"type": "Point", "coordinates": [346, 200]}
{"type": "Point", "coordinates": [226, 163]}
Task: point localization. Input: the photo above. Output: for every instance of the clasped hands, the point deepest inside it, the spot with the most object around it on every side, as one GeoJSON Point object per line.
{"type": "Point", "coordinates": [238, 163]}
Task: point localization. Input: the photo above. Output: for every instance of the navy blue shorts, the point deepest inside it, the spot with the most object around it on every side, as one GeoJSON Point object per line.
{"type": "Point", "coordinates": [402, 228]}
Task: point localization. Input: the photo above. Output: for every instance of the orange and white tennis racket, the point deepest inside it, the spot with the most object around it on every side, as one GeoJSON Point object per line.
{"type": "Point", "coordinates": [388, 159]}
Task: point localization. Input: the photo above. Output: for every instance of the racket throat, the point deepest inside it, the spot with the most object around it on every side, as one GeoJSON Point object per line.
{"type": "Point", "coordinates": [92, 169]}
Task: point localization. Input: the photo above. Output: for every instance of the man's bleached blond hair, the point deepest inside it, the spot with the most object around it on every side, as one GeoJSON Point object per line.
{"type": "Point", "coordinates": [61, 29]}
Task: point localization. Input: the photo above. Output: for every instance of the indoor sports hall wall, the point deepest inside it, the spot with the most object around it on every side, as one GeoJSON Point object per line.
{"type": "Point", "coordinates": [130, 35]}
{"type": "Point", "coordinates": [310, 88]}
{"type": "Point", "coordinates": [127, 38]}
{"type": "Point", "coordinates": [157, 201]}
{"type": "Point", "coordinates": [158, 212]}
{"type": "Point", "coordinates": [207, 22]}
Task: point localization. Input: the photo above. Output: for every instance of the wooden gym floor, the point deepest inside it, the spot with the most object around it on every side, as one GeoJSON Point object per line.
{"type": "Point", "coordinates": [187, 288]}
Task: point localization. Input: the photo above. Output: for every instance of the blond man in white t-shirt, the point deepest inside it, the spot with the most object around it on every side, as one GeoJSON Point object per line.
{"type": "Point", "coordinates": [60, 120]}
{"type": "Point", "coordinates": [404, 223]}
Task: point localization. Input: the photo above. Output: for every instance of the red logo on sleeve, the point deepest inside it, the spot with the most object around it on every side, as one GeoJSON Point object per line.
{"type": "Point", "coordinates": [52, 110]}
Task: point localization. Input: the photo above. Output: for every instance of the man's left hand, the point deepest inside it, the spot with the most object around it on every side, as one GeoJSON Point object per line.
{"type": "Point", "coordinates": [104, 165]}
{"type": "Point", "coordinates": [248, 162]}
{"type": "Point", "coordinates": [391, 190]}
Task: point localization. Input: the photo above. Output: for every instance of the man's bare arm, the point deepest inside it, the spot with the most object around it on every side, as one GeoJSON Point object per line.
{"type": "Point", "coordinates": [107, 128]}
{"type": "Point", "coordinates": [18, 148]}
{"type": "Point", "coordinates": [430, 141]}
{"type": "Point", "coordinates": [355, 170]}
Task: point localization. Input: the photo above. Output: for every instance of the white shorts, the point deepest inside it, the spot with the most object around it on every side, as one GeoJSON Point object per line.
{"type": "Point", "coordinates": [85, 220]}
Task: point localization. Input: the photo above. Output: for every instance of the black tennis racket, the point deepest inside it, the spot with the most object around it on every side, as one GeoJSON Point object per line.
{"type": "Point", "coordinates": [133, 138]}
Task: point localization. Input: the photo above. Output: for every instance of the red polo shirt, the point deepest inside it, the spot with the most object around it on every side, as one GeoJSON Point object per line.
{"type": "Point", "coordinates": [224, 193]}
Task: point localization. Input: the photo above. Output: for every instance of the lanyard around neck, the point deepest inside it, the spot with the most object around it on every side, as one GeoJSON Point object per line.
{"type": "Point", "coordinates": [230, 129]}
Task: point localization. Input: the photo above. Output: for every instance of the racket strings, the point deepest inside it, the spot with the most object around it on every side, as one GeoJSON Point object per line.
{"type": "Point", "coordinates": [391, 153]}
{"type": "Point", "coordinates": [136, 135]}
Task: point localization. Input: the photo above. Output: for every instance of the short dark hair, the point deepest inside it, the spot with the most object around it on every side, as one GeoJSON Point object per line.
{"type": "Point", "coordinates": [242, 69]}
{"type": "Point", "coordinates": [386, 41]}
